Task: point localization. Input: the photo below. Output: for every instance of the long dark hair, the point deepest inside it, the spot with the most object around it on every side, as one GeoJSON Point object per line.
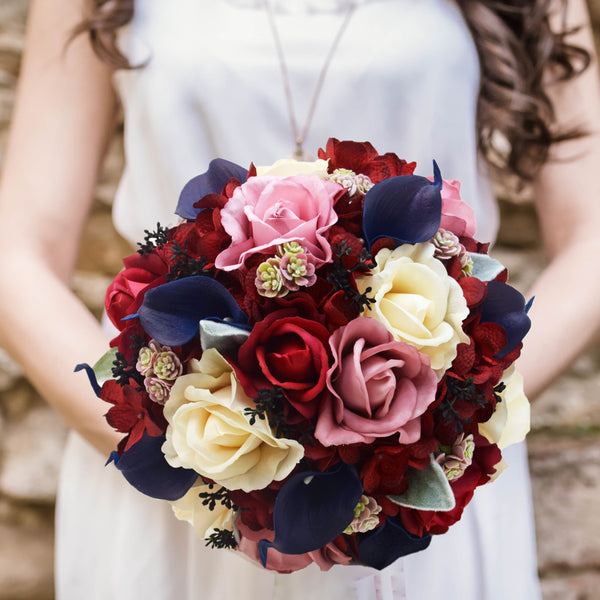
{"type": "Point", "coordinates": [517, 49]}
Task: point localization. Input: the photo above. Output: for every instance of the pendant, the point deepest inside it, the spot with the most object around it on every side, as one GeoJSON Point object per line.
{"type": "Point", "coordinates": [299, 153]}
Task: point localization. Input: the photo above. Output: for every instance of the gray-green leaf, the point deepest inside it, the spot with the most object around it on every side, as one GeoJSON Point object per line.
{"type": "Point", "coordinates": [485, 267]}
{"type": "Point", "coordinates": [103, 367]}
{"type": "Point", "coordinates": [427, 490]}
{"type": "Point", "coordinates": [222, 336]}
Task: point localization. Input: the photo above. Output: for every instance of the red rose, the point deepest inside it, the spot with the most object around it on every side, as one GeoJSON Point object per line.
{"type": "Point", "coordinates": [125, 293]}
{"type": "Point", "coordinates": [363, 159]}
{"type": "Point", "coordinates": [290, 352]}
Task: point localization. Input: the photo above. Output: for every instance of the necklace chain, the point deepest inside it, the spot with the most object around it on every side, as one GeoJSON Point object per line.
{"type": "Point", "coordinates": [300, 134]}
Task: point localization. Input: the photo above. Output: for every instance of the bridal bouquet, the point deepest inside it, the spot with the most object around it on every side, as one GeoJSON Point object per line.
{"type": "Point", "coordinates": [314, 365]}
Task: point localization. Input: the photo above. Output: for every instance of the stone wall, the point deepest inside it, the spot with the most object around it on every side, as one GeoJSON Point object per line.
{"type": "Point", "coordinates": [564, 445]}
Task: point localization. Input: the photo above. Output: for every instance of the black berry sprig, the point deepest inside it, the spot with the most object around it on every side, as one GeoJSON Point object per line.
{"type": "Point", "coordinates": [342, 277]}
{"type": "Point", "coordinates": [458, 390]}
{"type": "Point", "coordinates": [221, 538]}
{"type": "Point", "coordinates": [153, 239]}
{"type": "Point", "coordinates": [184, 265]}
{"type": "Point", "coordinates": [220, 496]}
{"type": "Point", "coordinates": [498, 390]}
{"type": "Point", "coordinates": [269, 403]}
{"type": "Point", "coordinates": [124, 371]}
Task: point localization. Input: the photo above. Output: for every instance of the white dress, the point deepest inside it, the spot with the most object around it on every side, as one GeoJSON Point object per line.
{"type": "Point", "coordinates": [405, 77]}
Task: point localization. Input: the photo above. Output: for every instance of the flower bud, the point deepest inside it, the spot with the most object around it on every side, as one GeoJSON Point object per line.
{"type": "Point", "coordinates": [269, 280]}
{"type": "Point", "coordinates": [365, 516]}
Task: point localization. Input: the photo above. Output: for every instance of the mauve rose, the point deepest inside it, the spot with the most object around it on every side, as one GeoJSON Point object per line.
{"type": "Point", "coordinates": [457, 216]}
{"type": "Point", "coordinates": [325, 557]}
{"type": "Point", "coordinates": [379, 387]}
{"type": "Point", "coordinates": [268, 211]}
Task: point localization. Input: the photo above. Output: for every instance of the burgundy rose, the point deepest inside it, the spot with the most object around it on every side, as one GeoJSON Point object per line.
{"type": "Point", "coordinates": [379, 387]}
{"type": "Point", "coordinates": [290, 352]}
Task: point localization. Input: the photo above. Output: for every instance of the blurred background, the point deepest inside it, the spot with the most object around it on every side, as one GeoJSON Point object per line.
{"type": "Point", "coordinates": [564, 445]}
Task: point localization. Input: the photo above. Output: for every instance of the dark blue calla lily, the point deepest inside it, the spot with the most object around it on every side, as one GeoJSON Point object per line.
{"type": "Point", "coordinates": [312, 509]}
{"type": "Point", "coordinates": [145, 468]}
{"type": "Point", "coordinates": [171, 313]}
{"type": "Point", "coordinates": [220, 171]}
{"type": "Point", "coordinates": [506, 306]}
{"type": "Point", "coordinates": [91, 376]}
{"type": "Point", "coordinates": [388, 543]}
{"type": "Point", "coordinates": [407, 208]}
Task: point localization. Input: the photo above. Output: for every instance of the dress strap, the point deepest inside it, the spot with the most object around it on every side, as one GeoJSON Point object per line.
{"type": "Point", "coordinates": [388, 584]}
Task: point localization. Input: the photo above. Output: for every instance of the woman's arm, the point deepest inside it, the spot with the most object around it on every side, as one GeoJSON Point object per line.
{"type": "Point", "coordinates": [62, 120]}
{"type": "Point", "coordinates": [566, 311]}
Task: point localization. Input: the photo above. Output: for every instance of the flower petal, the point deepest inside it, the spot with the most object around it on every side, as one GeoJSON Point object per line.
{"type": "Point", "coordinates": [312, 509]}
{"type": "Point", "coordinates": [144, 466]}
{"type": "Point", "coordinates": [388, 543]}
{"type": "Point", "coordinates": [89, 371]}
{"type": "Point", "coordinates": [220, 171]}
{"type": "Point", "coordinates": [171, 312]}
{"type": "Point", "coordinates": [407, 208]}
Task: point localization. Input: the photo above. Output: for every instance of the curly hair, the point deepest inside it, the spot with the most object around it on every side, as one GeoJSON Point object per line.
{"type": "Point", "coordinates": [517, 49]}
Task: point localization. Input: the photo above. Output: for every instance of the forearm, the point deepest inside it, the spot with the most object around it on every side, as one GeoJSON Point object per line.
{"type": "Point", "coordinates": [565, 315]}
{"type": "Point", "coordinates": [48, 331]}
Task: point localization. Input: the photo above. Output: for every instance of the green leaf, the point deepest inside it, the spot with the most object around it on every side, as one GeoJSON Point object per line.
{"type": "Point", "coordinates": [485, 267]}
{"type": "Point", "coordinates": [103, 368]}
{"type": "Point", "coordinates": [224, 337]}
{"type": "Point", "coordinates": [427, 490]}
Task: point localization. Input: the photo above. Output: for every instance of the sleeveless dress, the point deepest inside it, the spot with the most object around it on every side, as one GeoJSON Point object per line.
{"type": "Point", "coordinates": [405, 77]}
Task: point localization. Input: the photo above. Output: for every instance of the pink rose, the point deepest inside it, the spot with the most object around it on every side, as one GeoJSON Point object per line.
{"type": "Point", "coordinates": [457, 216]}
{"type": "Point", "coordinates": [325, 557]}
{"type": "Point", "coordinates": [379, 386]}
{"type": "Point", "coordinates": [268, 211]}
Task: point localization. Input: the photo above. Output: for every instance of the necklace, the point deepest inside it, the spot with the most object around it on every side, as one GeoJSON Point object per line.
{"type": "Point", "coordinates": [300, 134]}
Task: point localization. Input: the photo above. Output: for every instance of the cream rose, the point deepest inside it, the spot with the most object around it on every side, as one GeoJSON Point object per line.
{"type": "Point", "coordinates": [209, 433]}
{"type": "Point", "coordinates": [286, 167]}
{"type": "Point", "coordinates": [511, 420]}
{"type": "Point", "coordinates": [417, 301]}
{"type": "Point", "coordinates": [190, 508]}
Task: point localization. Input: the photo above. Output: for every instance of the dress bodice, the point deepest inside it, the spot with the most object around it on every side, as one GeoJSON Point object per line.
{"type": "Point", "coordinates": [405, 76]}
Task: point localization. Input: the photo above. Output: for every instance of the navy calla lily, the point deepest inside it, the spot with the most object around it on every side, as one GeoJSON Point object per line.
{"type": "Point", "coordinates": [171, 313]}
{"type": "Point", "coordinates": [506, 306]}
{"type": "Point", "coordinates": [407, 208]}
{"type": "Point", "coordinates": [312, 509]}
{"type": "Point", "coordinates": [144, 466]}
{"type": "Point", "coordinates": [91, 376]}
{"type": "Point", "coordinates": [388, 543]}
{"type": "Point", "coordinates": [220, 171]}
